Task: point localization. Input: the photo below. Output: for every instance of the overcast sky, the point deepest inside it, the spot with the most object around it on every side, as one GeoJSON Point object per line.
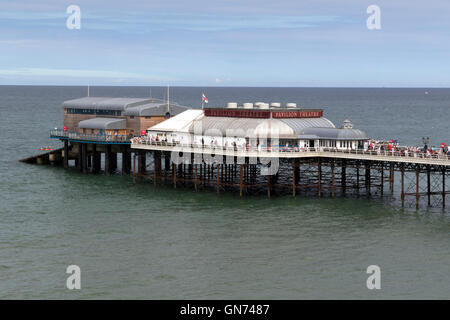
{"type": "Point", "coordinates": [226, 43]}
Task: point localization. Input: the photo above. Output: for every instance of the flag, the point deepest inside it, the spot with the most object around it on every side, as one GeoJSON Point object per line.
{"type": "Point", "coordinates": [204, 98]}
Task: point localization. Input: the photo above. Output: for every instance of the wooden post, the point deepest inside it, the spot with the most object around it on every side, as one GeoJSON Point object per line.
{"type": "Point", "coordinates": [268, 186]}
{"type": "Point", "coordinates": [403, 184]}
{"type": "Point", "coordinates": [382, 179]}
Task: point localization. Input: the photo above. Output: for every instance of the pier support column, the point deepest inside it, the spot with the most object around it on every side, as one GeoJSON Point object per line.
{"type": "Point", "coordinates": [319, 177]}
{"type": "Point", "coordinates": [268, 185]}
{"type": "Point", "coordinates": [155, 166]}
{"type": "Point", "coordinates": [142, 161]}
{"type": "Point", "coordinates": [241, 179]}
{"type": "Point", "coordinates": [96, 161]}
{"type": "Point", "coordinates": [332, 178]}
{"type": "Point", "coordinates": [218, 178]}
{"type": "Point", "coordinates": [357, 178]}
{"type": "Point", "coordinates": [402, 170]}
{"type": "Point", "coordinates": [391, 178]}
{"type": "Point", "coordinates": [126, 160]}
{"type": "Point", "coordinates": [443, 187]}
{"type": "Point", "coordinates": [382, 179]}
{"type": "Point", "coordinates": [66, 154]}
{"type": "Point", "coordinates": [113, 160]}
{"type": "Point", "coordinates": [344, 177]}
{"type": "Point", "coordinates": [294, 182]}
{"type": "Point", "coordinates": [108, 160]}
{"type": "Point", "coordinates": [166, 163]}
{"type": "Point", "coordinates": [195, 177]}
{"type": "Point", "coordinates": [429, 185]}
{"type": "Point", "coordinates": [368, 179]}
{"type": "Point", "coordinates": [417, 188]}
{"type": "Point", "coordinates": [79, 160]}
{"type": "Point", "coordinates": [174, 173]}
{"type": "Point", "coordinates": [84, 156]}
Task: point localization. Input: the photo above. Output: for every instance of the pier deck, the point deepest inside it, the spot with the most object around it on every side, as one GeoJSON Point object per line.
{"type": "Point", "coordinates": [388, 156]}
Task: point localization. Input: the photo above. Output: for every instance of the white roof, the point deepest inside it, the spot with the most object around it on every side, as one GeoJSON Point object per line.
{"type": "Point", "coordinates": [179, 123]}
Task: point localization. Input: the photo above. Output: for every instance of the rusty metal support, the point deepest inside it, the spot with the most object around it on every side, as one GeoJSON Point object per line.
{"type": "Point", "coordinates": [429, 185]}
{"type": "Point", "coordinates": [294, 186]}
{"type": "Point", "coordinates": [332, 178]}
{"type": "Point", "coordinates": [319, 177]}
{"type": "Point", "coordinates": [241, 177]}
{"type": "Point", "coordinates": [402, 170]}
{"type": "Point", "coordinates": [443, 187]}
{"type": "Point", "coordinates": [195, 177]}
{"type": "Point", "coordinates": [417, 188]}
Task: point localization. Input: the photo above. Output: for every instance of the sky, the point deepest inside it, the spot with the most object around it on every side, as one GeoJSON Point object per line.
{"type": "Point", "coordinates": [297, 43]}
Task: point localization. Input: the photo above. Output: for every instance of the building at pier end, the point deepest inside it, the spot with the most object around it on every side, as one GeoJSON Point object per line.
{"type": "Point", "coordinates": [257, 125]}
{"type": "Point", "coordinates": [122, 116]}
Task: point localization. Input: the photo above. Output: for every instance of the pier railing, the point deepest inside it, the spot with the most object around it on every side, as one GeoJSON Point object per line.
{"type": "Point", "coordinates": [289, 151]}
{"type": "Point", "coordinates": [102, 138]}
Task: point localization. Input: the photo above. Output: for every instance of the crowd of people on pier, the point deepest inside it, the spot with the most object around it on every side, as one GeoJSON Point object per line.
{"type": "Point", "coordinates": [380, 147]}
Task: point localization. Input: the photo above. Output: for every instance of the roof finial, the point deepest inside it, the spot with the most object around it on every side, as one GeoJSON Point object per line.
{"type": "Point", "coordinates": [89, 90]}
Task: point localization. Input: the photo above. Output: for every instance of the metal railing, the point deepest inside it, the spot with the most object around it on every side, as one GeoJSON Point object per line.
{"type": "Point", "coordinates": [400, 153]}
{"type": "Point", "coordinates": [119, 138]}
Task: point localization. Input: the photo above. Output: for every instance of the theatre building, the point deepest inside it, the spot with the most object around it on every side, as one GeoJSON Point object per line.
{"type": "Point", "coordinates": [257, 125]}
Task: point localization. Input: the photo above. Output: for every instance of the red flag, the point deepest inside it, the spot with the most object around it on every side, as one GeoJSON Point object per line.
{"type": "Point", "coordinates": [204, 98]}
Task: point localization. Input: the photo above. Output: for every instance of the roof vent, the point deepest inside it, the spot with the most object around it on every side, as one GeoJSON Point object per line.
{"type": "Point", "coordinates": [258, 104]}
{"type": "Point", "coordinates": [232, 105]}
{"type": "Point", "coordinates": [275, 104]}
{"type": "Point", "coordinates": [347, 124]}
{"type": "Point", "coordinates": [264, 106]}
{"type": "Point", "coordinates": [248, 105]}
{"type": "Point", "coordinates": [291, 105]}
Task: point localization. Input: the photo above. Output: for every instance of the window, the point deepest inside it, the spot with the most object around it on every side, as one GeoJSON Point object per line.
{"type": "Point", "coordinates": [131, 117]}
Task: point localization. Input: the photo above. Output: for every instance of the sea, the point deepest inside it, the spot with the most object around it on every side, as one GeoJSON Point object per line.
{"type": "Point", "coordinates": [138, 241]}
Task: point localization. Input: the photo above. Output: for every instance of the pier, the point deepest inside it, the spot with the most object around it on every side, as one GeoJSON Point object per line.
{"type": "Point", "coordinates": [323, 172]}
{"type": "Point", "coordinates": [247, 149]}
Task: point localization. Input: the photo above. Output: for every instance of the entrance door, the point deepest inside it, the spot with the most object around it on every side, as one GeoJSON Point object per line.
{"type": "Point", "coordinates": [311, 144]}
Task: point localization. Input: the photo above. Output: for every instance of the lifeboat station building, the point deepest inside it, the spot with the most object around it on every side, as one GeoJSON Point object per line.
{"type": "Point", "coordinates": [97, 129]}
{"type": "Point", "coordinates": [255, 126]}
{"type": "Point", "coordinates": [122, 116]}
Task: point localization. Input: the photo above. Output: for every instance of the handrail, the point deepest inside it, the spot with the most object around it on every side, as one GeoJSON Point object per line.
{"type": "Point", "coordinates": [90, 137]}
{"type": "Point", "coordinates": [283, 149]}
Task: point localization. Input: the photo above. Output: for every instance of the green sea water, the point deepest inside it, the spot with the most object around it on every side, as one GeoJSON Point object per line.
{"type": "Point", "coordinates": [145, 242]}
